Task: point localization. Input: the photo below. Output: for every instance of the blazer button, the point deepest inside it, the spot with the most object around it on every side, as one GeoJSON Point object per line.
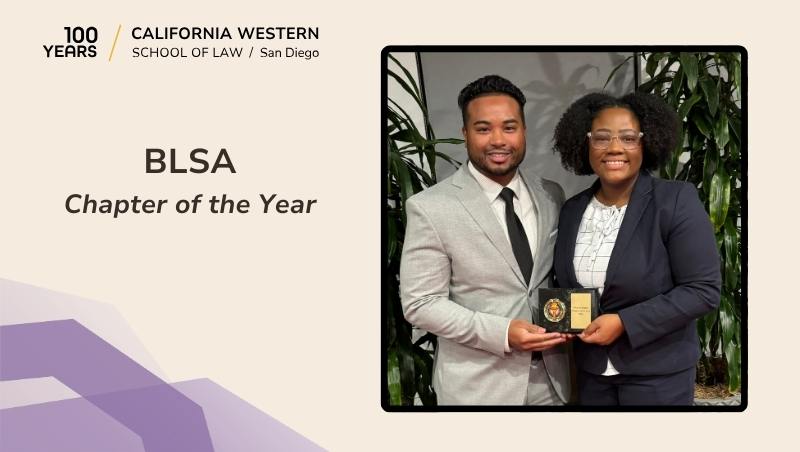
{"type": "Point", "coordinates": [530, 294]}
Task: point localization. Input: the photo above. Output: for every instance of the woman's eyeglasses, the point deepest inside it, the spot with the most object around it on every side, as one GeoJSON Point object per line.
{"type": "Point", "coordinates": [602, 140]}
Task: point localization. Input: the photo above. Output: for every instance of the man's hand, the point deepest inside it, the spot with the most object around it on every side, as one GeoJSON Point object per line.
{"type": "Point", "coordinates": [527, 337]}
{"type": "Point", "coordinates": [604, 330]}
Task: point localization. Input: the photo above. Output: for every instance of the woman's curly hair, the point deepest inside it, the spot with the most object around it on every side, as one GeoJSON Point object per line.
{"type": "Point", "coordinates": [657, 121]}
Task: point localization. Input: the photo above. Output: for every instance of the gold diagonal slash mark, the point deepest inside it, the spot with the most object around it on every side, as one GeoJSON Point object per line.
{"type": "Point", "coordinates": [113, 46]}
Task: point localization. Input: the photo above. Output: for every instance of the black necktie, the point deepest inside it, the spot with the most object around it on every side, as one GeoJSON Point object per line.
{"type": "Point", "coordinates": [516, 234]}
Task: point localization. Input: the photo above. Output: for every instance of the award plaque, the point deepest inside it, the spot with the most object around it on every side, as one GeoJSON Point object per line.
{"type": "Point", "coordinates": [566, 310]}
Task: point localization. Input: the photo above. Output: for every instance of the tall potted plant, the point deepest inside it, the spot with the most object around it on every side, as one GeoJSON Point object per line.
{"type": "Point", "coordinates": [706, 91]}
{"type": "Point", "coordinates": [411, 168]}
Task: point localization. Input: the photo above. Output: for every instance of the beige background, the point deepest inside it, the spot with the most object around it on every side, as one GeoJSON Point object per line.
{"type": "Point", "coordinates": [284, 310]}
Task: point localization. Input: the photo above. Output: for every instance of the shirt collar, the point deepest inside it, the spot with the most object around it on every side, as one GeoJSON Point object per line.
{"type": "Point", "coordinates": [491, 188]}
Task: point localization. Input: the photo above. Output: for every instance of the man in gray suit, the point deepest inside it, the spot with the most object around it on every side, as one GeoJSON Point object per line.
{"type": "Point", "coordinates": [477, 246]}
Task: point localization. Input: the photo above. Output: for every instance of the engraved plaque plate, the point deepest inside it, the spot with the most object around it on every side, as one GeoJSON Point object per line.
{"type": "Point", "coordinates": [567, 310]}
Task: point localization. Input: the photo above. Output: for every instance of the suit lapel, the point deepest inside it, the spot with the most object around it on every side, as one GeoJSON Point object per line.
{"type": "Point", "coordinates": [474, 201]}
{"type": "Point", "coordinates": [640, 198]}
{"type": "Point", "coordinates": [537, 195]}
{"type": "Point", "coordinates": [571, 230]}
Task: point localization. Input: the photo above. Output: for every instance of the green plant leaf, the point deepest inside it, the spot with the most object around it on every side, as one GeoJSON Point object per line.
{"type": "Point", "coordinates": [733, 148]}
{"type": "Point", "coordinates": [446, 141]}
{"type": "Point", "coordinates": [731, 248]}
{"type": "Point", "coordinates": [393, 379]}
{"type": "Point", "coordinates": [671, 167]}
{"type": "Point", "coordinates": [436, 154]}
{"type": "Point", "coordinates": [652, 64]}
{"type": "Point", "coordinates": [427, 338]}
{"type": "Point", "coordinates": [424, 363]}
{"type": "Point", "coordinates": [727, 318]}
{"type": "Point", "coordinates": [423, 176]}
{"type": "Point", "coordinates": [733, 358]}
{"type": "Point", "coordinates": [735, 126]}
{"type": "Point", "coordinates": [702, 331]}
{"type": "Point", "coordinates": [684, 173]}
{"type": "Point", "coordinates": [689, 65]}
{"type": "Point", "coordinates": [402, 118]}
{"type": "Point", "coordinates": [664, 79]}
{"type": "Point", "coordinates": [397, 121]}
{"type": "Point", "coordinates": [710, 159]}
{"type": "Point", "coordinates": [408, 75]}
{"type": "Point", "coordinates": [708, 321]}
{"type": "Point", "coordinates": [428, 144]}
{"type": "Point", "coordinates": [719, 197]}
{"type": "Point", "coordinates": [675, 87]}
{"type": "Point", "coordinates": [406, 130]}
{"type": "Point", "coordinates": [415, 136]}
{"type": "Point", "coordinates": [405, 85]}
{"type": "Point", "coordinates": [702, 122]}
{"type": "Point", "coordinates": [407, 136]}
{"type": "Point", "coordinates": [391, 322]}
{"type": "Point", "coordinates": [711, 91]}
{"type": "Point", "coordinates": [687, 105]}
{"type": "Point", "coordinates": [428, 149]}
{"type": "Point", "coordinates": [697, 144]}
{"type": "Point", "coordinates": [408, 372]}
{"type": "Point", "coordinates": [403, 176]}
{"type": "Point", "coordinates": [721, 131]}
{"type": "Point", "coordinates": [650, 85]}
{"type": "Point", "coordinates": [729, 327]}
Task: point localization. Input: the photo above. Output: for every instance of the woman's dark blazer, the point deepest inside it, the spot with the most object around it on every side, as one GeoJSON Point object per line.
{"type": "Point", "coordinates": [663, 273]}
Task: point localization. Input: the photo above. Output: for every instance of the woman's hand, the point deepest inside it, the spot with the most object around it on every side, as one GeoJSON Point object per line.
{"type": "Point", "coordinates": [604, 330]}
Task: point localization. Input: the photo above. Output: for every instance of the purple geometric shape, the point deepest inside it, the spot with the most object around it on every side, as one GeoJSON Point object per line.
{"type": "Point", "coordinates": [75, 425]}
{"type": "Point", "coordinates": [165, 419]}
{"type": "Point", "coordinates": [237, 426]}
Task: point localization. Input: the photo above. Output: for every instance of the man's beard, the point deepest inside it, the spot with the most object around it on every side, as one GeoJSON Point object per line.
{"type": "Point", "coordinates": [497, 171]}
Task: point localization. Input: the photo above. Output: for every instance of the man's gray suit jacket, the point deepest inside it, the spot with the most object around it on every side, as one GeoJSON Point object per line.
{"type": "Point", "coordinates": [459, 280]}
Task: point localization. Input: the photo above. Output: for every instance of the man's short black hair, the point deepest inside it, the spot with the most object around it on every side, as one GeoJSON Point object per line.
{"type": "Point", "coordinates": [657, 120]}
{"type": "Point", "coordinates": [490, 84]}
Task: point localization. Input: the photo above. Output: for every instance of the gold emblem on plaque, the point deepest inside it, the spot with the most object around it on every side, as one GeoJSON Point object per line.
{"type": "Point", "coordinates": [554, 310]}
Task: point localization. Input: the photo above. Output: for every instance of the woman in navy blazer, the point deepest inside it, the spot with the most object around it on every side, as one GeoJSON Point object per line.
{"type": "Point", "coordinates": [663, 271]}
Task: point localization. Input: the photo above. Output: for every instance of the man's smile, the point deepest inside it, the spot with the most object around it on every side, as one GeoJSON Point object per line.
{"type": "Point", "coordinates": [499, 156]}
